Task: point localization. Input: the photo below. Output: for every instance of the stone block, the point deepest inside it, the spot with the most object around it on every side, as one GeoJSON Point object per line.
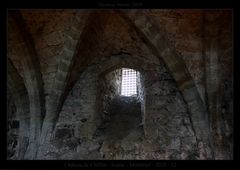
{"type": "Point", "coordinates": [64, 65]}
{"type": "Point", "coordinates": [54, 38]}
{"type": "Point", "coordinates": [61, 75]}
{"type": "Point", "coordinates": [67, 54]}
{"type": "Point", "coordinates": [70, 43]}
{"type": "Point", "coordinates": [59, 84]}
{"type": "Point", "coordinates": [73, 34]}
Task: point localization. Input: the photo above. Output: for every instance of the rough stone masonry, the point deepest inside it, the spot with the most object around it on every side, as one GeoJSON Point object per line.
{"type": "Point", "coordinates": [64, 76]}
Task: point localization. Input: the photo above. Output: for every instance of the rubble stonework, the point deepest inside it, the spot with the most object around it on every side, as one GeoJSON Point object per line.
{"type": "Point", "coordinates": [64, 84]}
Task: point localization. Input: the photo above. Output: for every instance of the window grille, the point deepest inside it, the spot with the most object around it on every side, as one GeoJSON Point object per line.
{"type": "Point", "coordinates": [129, 82]}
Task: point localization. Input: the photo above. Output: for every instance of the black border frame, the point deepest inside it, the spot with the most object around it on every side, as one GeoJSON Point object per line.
{"type": "Point", "coordinates": [101, 4]}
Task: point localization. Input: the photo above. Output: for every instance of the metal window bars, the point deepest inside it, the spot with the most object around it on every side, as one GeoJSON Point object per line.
{"type": "Point", "coordinates": [129, 82]}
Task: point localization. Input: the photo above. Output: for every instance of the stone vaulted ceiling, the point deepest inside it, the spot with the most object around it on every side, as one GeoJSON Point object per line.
{"type": "Point", "coordinates": [49, 49]}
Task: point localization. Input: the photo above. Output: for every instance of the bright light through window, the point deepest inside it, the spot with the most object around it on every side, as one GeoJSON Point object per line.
{"type": "Point", "coordinates": [129, 82]}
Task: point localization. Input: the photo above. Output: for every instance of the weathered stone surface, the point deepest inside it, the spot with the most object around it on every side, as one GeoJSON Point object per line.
{"type": "Point", "coordinates": [184, 59]}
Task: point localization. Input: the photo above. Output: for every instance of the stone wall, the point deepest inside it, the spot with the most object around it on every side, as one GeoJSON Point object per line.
{"type": "Point", "coordinates": [165, 114]}
{"type": "Point", "coordinates": [219, 79]}
{"type": "Point", "coordinates": [110, 85]}
{"type": "Point", "coordinates": [184, 59]}
{"type": "Point", "coordinates": [167, 120]}
{"type": "Point", "coordinates": [82, 104]}
{"type": "Point", "coordinates": [12, 129]}
{"type": "Point", "coordinates": [141, 94]}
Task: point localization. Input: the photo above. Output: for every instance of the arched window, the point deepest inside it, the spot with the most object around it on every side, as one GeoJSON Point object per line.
{"type": "Point", "coordinates": [129, 82]}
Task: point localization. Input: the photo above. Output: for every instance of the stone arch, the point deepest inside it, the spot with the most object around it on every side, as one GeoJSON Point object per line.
{"type": "Point", "coordinates": [123, 61]}
{"type": "Point", "coordinates": [118, 66]}
{"type": "Point", "coordinates": [104, 66]}
{"type": "Point", "coordinates": [21, 101]}
{"type": "Point", "coordinates": [71, 43]}
{"type": "Point", "coordinates": [147, 69]}
{"type": "Point", "coordinates": [88, 128]}
{"type": "Point", "coordinates": [129, 63]}
{"type": "Point", "coordinates": [32, 79]}
{"type": "Point", "coordinates": [157, 40]}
